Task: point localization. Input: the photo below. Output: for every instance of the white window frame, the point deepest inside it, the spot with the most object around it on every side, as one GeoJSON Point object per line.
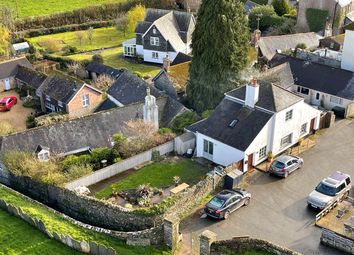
{"type": "Point", "coordinates": [286, 140]}
{"type": "Point", "coordinates": [85, 100]}
{"type": "Point", "coordinates": [154, 41]}
{"type": "Point", "coordinates": [130, 50]}
{"type": "Point", "coordinates": [303, 129]}
{"type": "Point", "coordinates": [262, 153]}
{"type": "Point", "coordinates": [289, 115]}
{"type": "Point", "coordinates": [155, 55]}
{"type": "Point", "coordinates": [336, 100]}
{"type": "Point", "coordinates": [208, 147]}
{"type": "Point", "coordinates": [50, 106]}
{"type": "Point", "coordinates": [43, 156]}
{"type": "Point", "coordinates": [303, 90]}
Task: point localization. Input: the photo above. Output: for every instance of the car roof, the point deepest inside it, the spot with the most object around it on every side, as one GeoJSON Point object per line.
{"type": "Point", "coordinates": [226, 194]}
{"type": "Point", "coordinates": [4, 99]}
{"type": "Point", "coordinates": [284, 158]}
{"type": "Point", "coordinates": [338, 176]}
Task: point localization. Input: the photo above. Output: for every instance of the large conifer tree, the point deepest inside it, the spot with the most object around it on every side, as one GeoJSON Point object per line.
{"type": "Point", "coordinates": [220, 44]}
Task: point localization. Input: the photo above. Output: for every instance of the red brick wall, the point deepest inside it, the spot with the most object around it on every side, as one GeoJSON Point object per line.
{"type": "Point", "coordinates": [75, 108]}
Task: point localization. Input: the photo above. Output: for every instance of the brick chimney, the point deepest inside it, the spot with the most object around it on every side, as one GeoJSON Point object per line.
{"type": "Point", "coordinates": [166, 63]}
{"type": "Point", "coordinates": [252, 93]}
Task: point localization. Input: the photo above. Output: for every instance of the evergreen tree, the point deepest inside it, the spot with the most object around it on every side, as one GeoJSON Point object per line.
{"type": "Point", "coordinates": [220, 44]}
{"type": "Point", "coordinates": [281, 7]}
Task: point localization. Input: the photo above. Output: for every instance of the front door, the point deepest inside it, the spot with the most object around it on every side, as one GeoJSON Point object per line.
{"type": "Point", "coordinates": [7, 84]}
{"type": "Point", "coordinates": [250, 162]}
{"type": "Point", "coordinates": [312, 125]}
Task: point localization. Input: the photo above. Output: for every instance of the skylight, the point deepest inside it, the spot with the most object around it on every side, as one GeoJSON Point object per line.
{"type": "Point", "coordinates": [233, 123]}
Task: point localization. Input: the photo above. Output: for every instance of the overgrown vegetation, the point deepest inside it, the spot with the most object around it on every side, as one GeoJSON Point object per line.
{"type": "Point", "coordinates": [316, 19]}
{"type": "Point", "coordinates": [56, 223]}
{"type": "Point", "coordinates": [281, 7]}
{"type": "Point", "coordinates": [267, 17]}
{"type": "Point", "coordinates": [183, 120]}
{"type": "Point", "coordinates": [6, 128]}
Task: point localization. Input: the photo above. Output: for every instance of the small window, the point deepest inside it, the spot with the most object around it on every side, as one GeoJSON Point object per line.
{"type": "Point", "coordinates": [341, 187]}
{"type": "Point", "coordinates": [155, 55]}
{"type": "Point", "coordinates": [336, 100]}
{"type": "Point", "coordinates": [289, 163]}
{"type": "Point", "coordinates": [262, 152]}
{"type": "Point", "coordinates": [347, 181]}
{"type": "Point", "coordinates": [289, 115]}
{"type": "Point", "coordinates": [155, 41]}
{"type": "Point", "coordinates": [331, 46]}
{"type": "Point", "coordinates": [303, 128]}
{"type": "Point", "coordinates": [60, 103]}
{"type": "Point", "coordinates": [317, 96]}
{"type": "Point", "coordinates": [154, 31]}
{"type": "Point", "coordinates": [286, 140]}
{"type": "Point", "coordinates": [208, 147]}
{"type": "Point", "coordinates": [85, 100]}
{"type": "Point", "coordinates": [43, 156]}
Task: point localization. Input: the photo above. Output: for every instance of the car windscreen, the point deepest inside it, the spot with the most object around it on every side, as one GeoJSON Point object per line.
{"type": "Point", "coordinates": [325, 189]}
{"type": "Point", "coordinates": [217, 202]}
{"type": "Point", "coordinates": [278, 164]}
{"type": "Point", "coordinates": [2, 104]}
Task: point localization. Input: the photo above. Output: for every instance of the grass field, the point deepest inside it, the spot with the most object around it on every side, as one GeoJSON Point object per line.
{"type": "Point", "coordinates": [158, 175]}
{"type": "Point", "coordinates": [28, 8]}
{"type": "Point", "coordinates": [56, 223]}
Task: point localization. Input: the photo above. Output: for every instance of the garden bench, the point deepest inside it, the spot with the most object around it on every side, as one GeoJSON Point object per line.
{"type": "Point", "coordinates": [179, 188]}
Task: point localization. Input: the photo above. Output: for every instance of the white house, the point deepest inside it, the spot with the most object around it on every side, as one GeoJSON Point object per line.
{"type": "Point", "coordinates": [162, 33]}
{"type": "Point", "coordinates": [348, 48]}
{"type": "Point", "coordinates": [252, 121]}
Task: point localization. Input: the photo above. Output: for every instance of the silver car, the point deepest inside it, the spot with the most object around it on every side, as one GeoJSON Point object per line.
{"type": "Point", "coordinates": [284, 165]}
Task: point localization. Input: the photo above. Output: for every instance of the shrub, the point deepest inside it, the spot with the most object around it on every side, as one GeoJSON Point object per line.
{"type": "Point", "coordinates": [281, 7]}
{"type": "Point", "coordinates": [50, 118]}
{"type": "Point", "coordinates": [99, 154]}
{"type": "Point", "coordinates": [29, 102]}
{"type": "Point", "coordinates": [163, 131]}
{"type": "Point", "coordinates": [30, 121]}
{"type": "Point", "coordinates": [6, 128]}
{"type": "Point", "coordinates": [68, 50]}
{"type": "Point", "coordinates": [182, 121]}
{"type": "Point", "coordinates": [268, 17]}
{"type": "Point", "coordinates": [103, 82]}
{"type": "Point", "coordinates": [301, 46]}
{"type": "Point", "coordinates": [77, 171]}
{"type": "Point", "coordinates": [316, 19]}
{"type": "Point", "coordinates": [97, 58]}
{"type": "Point", "coordinates": [288, 27]}
{"type": "Point", "coordinates": [207, 113]}
{"type": "Point", "coordinates": [50, 45]}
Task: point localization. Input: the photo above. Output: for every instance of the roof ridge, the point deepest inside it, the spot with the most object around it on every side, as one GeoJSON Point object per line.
{"type": "Point", "coordinates": [273, 36]}
{"type": "Point", "coordinates": [12, 60]}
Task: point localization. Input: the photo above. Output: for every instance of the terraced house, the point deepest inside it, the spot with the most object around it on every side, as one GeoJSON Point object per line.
{"type": "Point", "coordinates": [162, 33]}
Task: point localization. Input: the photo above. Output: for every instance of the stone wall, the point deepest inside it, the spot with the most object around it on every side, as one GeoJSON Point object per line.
{"type": "Point", "coordinates": [310, 56]}
{"type": "Point", "coordinates": [349, 113]}
{"type": "Point", "coordinates": [337, 241]}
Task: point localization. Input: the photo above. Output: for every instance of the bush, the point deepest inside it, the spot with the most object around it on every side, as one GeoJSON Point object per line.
{"type": "Point", "coordinates": [301, 46]}
{"type": "Point", "coordinates": [6, 128]}
{"type": "Point", "coordinates": [207, 113]}
{"type": "Point", "coordinates": [268, 17]}
{"type": "Point", "coordinates": [29, 102]}
{"type": "Point", "coordinates": [74, 160]}
{"type": "Point", "coordinates": [77, 171]}
{"type": "Point", "coordinates": [281, 7]}
{"type": "Point", "coordinates": [30, 122]}
{"type": "Point", "coordinates": [99, 154]}
{"type": "Point", "coordinates": [163, 131]}
{"type": "Point", "coordinates": [97, 58]}
{"type": "Point", "coordinates": [68, 50]}
{"type": "Point", "coordinates": [182, 121]}
{"type": "Point", "coordinates": [316, 19]}
{"type": "Point", "coordinates": [288, 27]}
{"type": "Point", "coordinates": [50, 118]}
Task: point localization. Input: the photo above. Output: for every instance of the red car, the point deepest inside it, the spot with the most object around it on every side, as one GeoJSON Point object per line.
{"type": "Point", "coordinates": [7, 102]}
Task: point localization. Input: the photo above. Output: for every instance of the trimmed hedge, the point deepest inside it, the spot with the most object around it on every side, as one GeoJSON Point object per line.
{"type": "Point", "coordinates": [316, 19]}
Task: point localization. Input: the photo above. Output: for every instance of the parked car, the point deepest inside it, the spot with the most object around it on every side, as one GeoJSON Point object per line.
{"type": "Point", "coordinates": [333, 188]}
{"type": "Point", "coordinates": [284, 165]}
{"type": "Point", "coordinates": [7, 102]}
{"type": "Point", "coordinates": [226, 202]}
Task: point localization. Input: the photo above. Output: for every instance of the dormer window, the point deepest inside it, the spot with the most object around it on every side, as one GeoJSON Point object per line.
{"type": "Point", "coordinates": [42, 153]}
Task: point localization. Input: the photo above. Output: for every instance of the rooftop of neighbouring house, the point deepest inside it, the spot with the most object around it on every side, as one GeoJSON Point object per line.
{"type": "Point", "coordinates": [323, 78]}
{"type": "Point", "coordinates": [9, 68]}
{"type": "Point", "coordinates": [103, 69]}
{"type": "Point", "coordinates": [31, 77]}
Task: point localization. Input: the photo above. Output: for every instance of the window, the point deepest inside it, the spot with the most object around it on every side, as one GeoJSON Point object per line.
{"type": "Point", "coordinates": [155, 55]}
{"type": "Point", "coordinates": [154, 41]}
{"type": "Point", "coordinates": [317, 96]}
{"type": "Point", "coordinates": [60, 103]}
{"type": "Point", "coordinates": [130, 51]}
{"type": "Point", "coordinates": [262, 152]}
{"type": "Point", "coordinates": [336, 100]}
{"type": "Point", "coordinates": [43, 156]}
{"type": "Point", "coordinates": [85, 100]}
{"type": "Point", "coordinates": [50, 106]}
{"type": "Point", "coordinates": [286, 140]}
{"type": "Point", "coordinates": [341, 187]}
{"type": "Point", "coordinates": [154, 31]}
{"type": "Point", "coordinates": [303, 129]}
{"type": "Point", "coordinates": [208, 147]}
{"type": "Point", "coordinates": [289, 115]}
{"type": "Point", "coordinates": [331, 46]}
{"type": "Point", "coordinates": [347, 181]}
{"type": "Point", "coordinates": [302, 90]}
{"type": "Point", "coordinates": [47, 98]}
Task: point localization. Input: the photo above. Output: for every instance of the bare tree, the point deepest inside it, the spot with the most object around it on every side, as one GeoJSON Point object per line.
{"type": "Point", "coordinates": [89, 33]}
{"type": "Point", "coordinates": [7, 18]}
{"type": "Point", "coordinates": [79, 36]}
{"type": "Point", "coordinates": [103, 82]}
{"type": "Point", "coordinates": [74, 67]}
{"type": "Point", "coordinates": [122, 23]}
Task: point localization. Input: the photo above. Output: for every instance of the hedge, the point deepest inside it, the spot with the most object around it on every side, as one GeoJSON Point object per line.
{"type": "Point", "coordinates": [316, 19]}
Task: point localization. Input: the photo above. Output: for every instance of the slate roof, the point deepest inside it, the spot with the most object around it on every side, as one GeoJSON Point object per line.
{"type": "Point", "coordinates": [105, 105]}
{"type": "Point", "coordinates": [9, 68]}
{"type": "Point", "coordinates": [350, 16]}
{"type": "Point", "coordinates": [336, 38]}
{"type": "Point", "coordinates": [330, 80]}
{"type": "Point", "coordinates": [349, 26]}
{"type": "Point", "coordinates": [91, 131]}
{"type": "Point", "coordinates": [181, 58]}
{"type": "Point", "coordinates": [129, 88]}
{"type": "Point", "coordinates": [59, 87]}
{"type": "Point", "coordinates": [103, 69]}
{"type": "Point", "coordinates": [250, 123]}
{"type": "Point", "coordinates": [271, 97]}
{"type": "Point", "coordinates": [270, 44]}
{"type": "Point", "coordinates": [31, 77]}
{"type": "Point", "coordinates": [279, 75]}
{"type": "Point", "coordinates": [163, 83]}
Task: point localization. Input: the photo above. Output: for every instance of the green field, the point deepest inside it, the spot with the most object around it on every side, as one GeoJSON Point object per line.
{"type": "Point", "coordinates": [28, 8]}
{"type": "Point", "coordinates": [56, 223]}
{"type": "Point", "coordinates": [159, 175]}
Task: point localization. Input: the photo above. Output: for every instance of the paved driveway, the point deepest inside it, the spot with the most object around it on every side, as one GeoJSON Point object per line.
{"type": "Point", "coordinates": [278, 211]}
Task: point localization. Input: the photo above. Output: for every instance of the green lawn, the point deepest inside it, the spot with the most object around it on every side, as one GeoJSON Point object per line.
{"type": "Point", "coordinates": [28, 8]}
{"type": "Point", "coordinates": [56, 223]}
{"type": "Point", "coordinates": [102, 38]}
{"type": "Point", "coordinates": [158, 175]}
{"type": "Point", "coordinates": [113, 57]}
{"type": "Point", "coordinates": [18, 237]}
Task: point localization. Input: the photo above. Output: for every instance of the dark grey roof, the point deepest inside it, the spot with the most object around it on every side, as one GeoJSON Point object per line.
{"type": "Point", "coordinates": [181, 58]}
{"type": "Point", "coordinates": [59, 87]}
{"type": "Point", "coordinates": [40, 148]}
{"type": "Point", "coordinates": [330, 80]}
{"type": "Point", "coordinates": [249, 123]}
{"type": "Point", "coordinates": [105, 105]}
{"type": "Point", "coordinates": [249, 5]}
{"type": "Point", "coordinates": [9, 68]}
{"type": "Point", "coordinates": [142, 27]}
{"type": "Point", "coordinates": [154, 14]}
{"type": "Point", "coordinates": [163, 83]}
{"type": "Point", "coordinates": [31, 77]}
{"type": "Point", "coordinates": [103, 69]}
{"type": "Point", "coordinates": [280, 75]}
{"type": "Point", "coordinates": [91, 131]}
{"type": "Point", "coordinates": [271, 97]}
{"type": "Point", "coordinates": [129, 88]}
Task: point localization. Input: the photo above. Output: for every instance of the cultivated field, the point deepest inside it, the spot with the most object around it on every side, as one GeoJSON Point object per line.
{"type": "Point", "coordinates": [31, 8]}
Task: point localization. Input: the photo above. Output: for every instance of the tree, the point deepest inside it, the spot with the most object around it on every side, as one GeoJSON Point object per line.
{"type": "Point", "coordinates": [97, 58]}
{"type": "Point", "coordinates": [281, 7]}
{"type": "Point", "coordinates": [135, 15]}
{"type": "Point", "coordinates": [103, 82]}
{"type": "Point", "coordinates": [267, 17]}
{"type": "Point", "coordinates": [74, 67]}
{"type": "Point", "coordinates": [122, 23]}
{"type": "Point", "coordinates": [7, 18]}
{"type": "Point", "coordinates": [79, 36]}
{"type": "Point", "coordinates": [89, 33]}
{"type": "Point", "coordinates": [50, 45]}
{"type": "Point", "coordinates": [220, 44]}
{"type": "Point", "coordinates": [4, 41]}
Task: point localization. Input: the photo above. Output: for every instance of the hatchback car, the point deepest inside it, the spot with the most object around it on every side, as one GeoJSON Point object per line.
{"type": "Point", "coordinates": [7, 102]}
{"type": "Point", "coordinates": [284, 165]}
{"type": "Point", "coordinates": [226, 202]}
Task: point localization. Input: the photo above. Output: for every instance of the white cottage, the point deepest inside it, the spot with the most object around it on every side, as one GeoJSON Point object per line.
{"type": "Point", "coordinates": [252, 121]}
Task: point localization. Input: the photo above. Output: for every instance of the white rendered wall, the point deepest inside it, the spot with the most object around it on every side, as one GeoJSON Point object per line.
{"type": "Point", "coordinates": [348, 51]}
